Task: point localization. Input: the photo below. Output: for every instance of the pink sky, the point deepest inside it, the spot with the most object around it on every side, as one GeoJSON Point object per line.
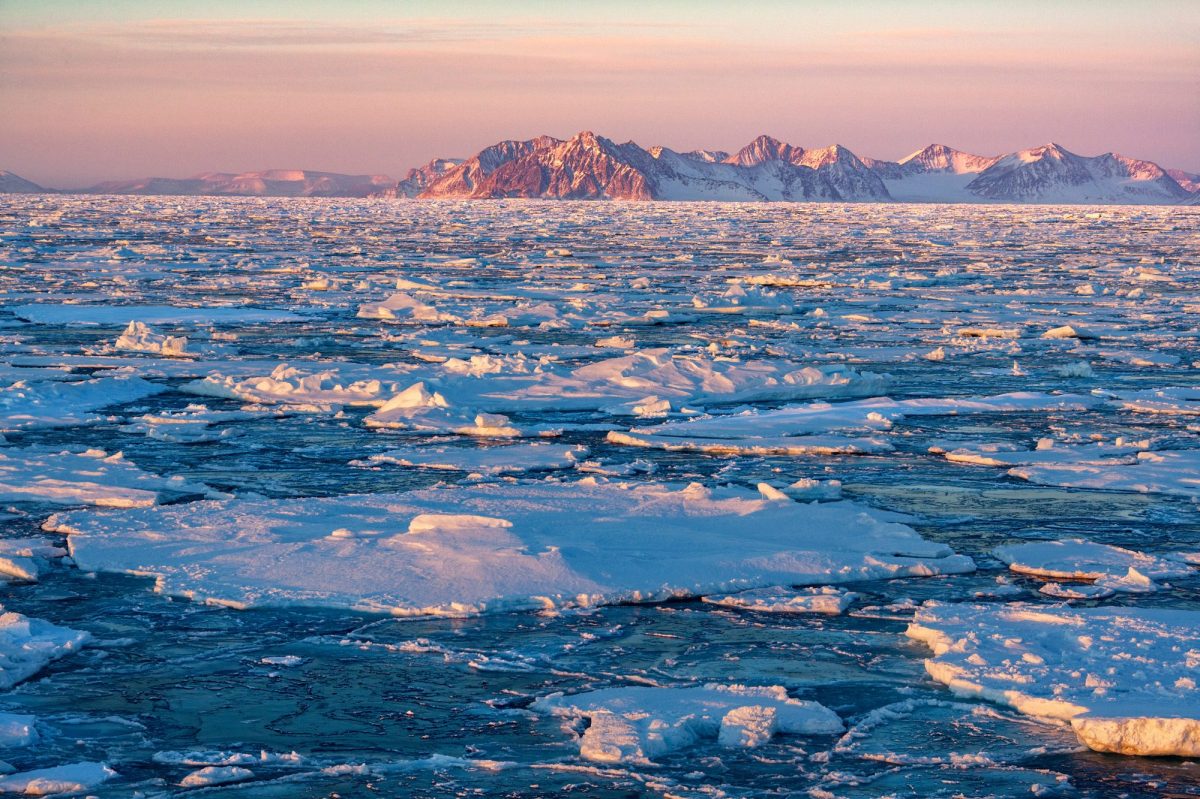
{"type": "Point", "coordinates": [133, 92]}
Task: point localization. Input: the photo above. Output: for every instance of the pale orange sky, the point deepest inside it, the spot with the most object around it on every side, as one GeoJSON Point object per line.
{"type": "Point", "coordinates": [126, 88]}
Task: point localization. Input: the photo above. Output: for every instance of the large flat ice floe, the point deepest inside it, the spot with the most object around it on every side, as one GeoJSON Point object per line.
{"type": "Point", "coordinates": [27, 645]}
{"type": "Point", "coordinates": [122, 315]}
{"type": "Point", "coordinates": [1125, 678]}
{"type": "Point", "coordinates": [638, 724]}
{"type": "Point", "coordinates": [58, 404]}
{"type": "Point", "coordinates": [87, 477]}
{"type": "Point", "coordinates": [74, 778]}
{"type": "Point", "coordinates": [463, 550]}
{"type": "Point", "coordinates": [823, 427]}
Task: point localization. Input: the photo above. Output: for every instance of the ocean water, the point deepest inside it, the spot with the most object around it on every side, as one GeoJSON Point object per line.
{"type": "Point", "coordinates": [948, 301]}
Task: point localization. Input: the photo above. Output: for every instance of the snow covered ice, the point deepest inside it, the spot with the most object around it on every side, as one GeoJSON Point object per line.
{"type": "Point", "coordinates": [537, 499]}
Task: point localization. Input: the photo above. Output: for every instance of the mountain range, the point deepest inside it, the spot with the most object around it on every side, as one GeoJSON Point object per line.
{"type": "Point", "coordinates": [591, 167]}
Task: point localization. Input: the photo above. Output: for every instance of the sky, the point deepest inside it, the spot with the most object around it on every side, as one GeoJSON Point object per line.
{"type": "Point", "coordinates": [127, 88]}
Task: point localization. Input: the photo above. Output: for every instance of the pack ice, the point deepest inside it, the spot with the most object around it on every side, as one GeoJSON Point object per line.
{"type": "Point", "coordinates": [1124, 678]}
{"type": "Point", "coordinates": [638, 724]}
{"type": "Point", "coordinates": [462, 550]}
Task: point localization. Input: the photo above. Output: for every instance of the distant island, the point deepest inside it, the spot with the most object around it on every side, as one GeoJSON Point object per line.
{"type": "Point", "coordinates": [591, 167]}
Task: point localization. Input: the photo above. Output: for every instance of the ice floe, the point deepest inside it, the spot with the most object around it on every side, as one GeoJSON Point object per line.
{"type": "Point", "coordinates": [86, 477]}
{"type": "Point", "coordinates": [822, 427]}
{"type": "Point", "coordinates": [638, 724]}
{"type": "Point", "coordinates": [512, 459]}
{"type": "Point", "coordinates": [778, 599]}
{"type": "Point", "coordinates": [468, 549]}
{"type": "Point", "coordinates": [59, 404]}
{"type": "Point", "coordinates": [122, 315]}
{"type": "Point", "coordinates": [27, 645]}
{"type": "Point", "coordinates": [1123, 677]}
{"type": "Point", "coordinates": [73, 778]}
{"type": "Point", "coordinates": [138, 337]}
{"type": "Point", "coordinates": [1110, 569]}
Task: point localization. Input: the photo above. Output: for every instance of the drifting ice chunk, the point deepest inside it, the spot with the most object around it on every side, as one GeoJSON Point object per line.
{"type": "Point", "coordinates": [1124, 677]}
{"type": "Point", "coordinates": [90, 477]}
{"type": "Point", "coordinates": [1179, 401]}
{"type": "Point", "coordinates": [1165, 472]}
{"type": "Point", "coordinates": [493, 460]}
{"type": "Point", "coordinates": [288, 385]}
{"type": "Point", "coordinates": [636, 725]}
{"type": "Point", "coordinates": [138, 337]}
{"type": "Point", "coordinates": [685, 379]}
{"type": "Point", "coordinates": [27, 645]}
{"type": "Point", "coordinates": [1068, 331]}
{"type": "Point", "coordinates": [803, 429]}
{"type": "Point", "coordinates": [461, 550]}
{"type": "Point", "coordinates": [406, 307]}
{"type": "Point", "coordinates": [776, 599]}
{"type": "Point", "coordinates": [216, 775]}
{"type": "Point", "coordinates": [47, 404]}
{"type": "Point", "coordinates": [17, 730]}
{"type": "Point", "coordinates": [416, 408]}
{"type": "Point", "coordinates": [120, 315]}
{"type": "Point", "coordinates": [739, 299]}
{"type": "Point", "coordinates": [70, 779]}
{"type": "Point", "coordinates": [1079, 559]}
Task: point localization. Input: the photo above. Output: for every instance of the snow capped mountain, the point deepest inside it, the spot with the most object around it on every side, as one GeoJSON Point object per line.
{"type": "Point", "coordinates": [591, 167]}
{"type": "Point", "coordinates": [268, 183]}
{"type": "Point", "coordinates": [763, 149]}
{"type": "Point", "coordinates": [584, 167]}
{"type": "Point", "coordinates": [15, 184]}
{"type": "Point", "coordinates": [588, 166]}
{"type": "Point", "coordinates": [940, 158]}
{"type": "Point", "coordinates": [1053, 174]}
{"type": "Point", "coordinates": [421, 178]}
{"type": "Point", "coordinates": [1188, 180]}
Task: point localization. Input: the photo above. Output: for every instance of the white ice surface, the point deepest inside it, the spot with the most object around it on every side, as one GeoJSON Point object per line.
{"type": "Point", "coordinates": [69, 779]}
{"type": "Point", "coordinates": [84, 477]}
{"type": "Point", "coordinates": [823, 427]}
{"type": "Point", "coordinates": [461, 550]}
{"type": "Point", "coordinates": [1162, 472]}
{"type": "Point", "coordinates": [1079, 559]}
{"type": "Point", "coordinates": [27, 645]}
{"type": "Point", "coordinates": [17, 730]}
{"type": "Point", "coordinates": [59, 404]}
{"type": "Point", "coordinates": [638, 724]}
{"type": "Point", "coordinates": [122, 315]}
{"type": "Point", "coordinates": [512, 459]}
{"type": "Point", "coordinates": [1125, 678]}
{"type": "Point", "coordinates": [139, 337]}
{"type": "Point", "coordinates": [779, 599]}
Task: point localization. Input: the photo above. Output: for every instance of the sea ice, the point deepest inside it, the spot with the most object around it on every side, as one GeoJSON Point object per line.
{"type": "Point", "coordinates": [88, 477]}
{"type": "Point", "coordinates": [638, 724]}
{"type": "Point", "coordinates": [512, 459]}
{"type": "Point", "coordinates": [122, 315]}
{"type": "Point", "coordinates": [778, 599]}
{"type": "Point", "coordinates": [27, 645]}
{"type": "Point", "coordinates": [1079, 559]}
{"type": "Point", "coordinates": [1123, 677]}
{"type": "Point", "coordinates": [17, 730]}
{"type": "Point", "coordinates": [1161, 472]}
{"type": "Point", "coordinates": [59, 404]}
{"type": "Point", "coordinates": [819, 427]}
{"type": "Point", "coordinates": [138, 337]}
{"type": "Point", "coordinates": [215, 775]}
{"type": "Point", "coordinates": [461, 550]}
{"type": "Point", "coordinates": [70, 779]}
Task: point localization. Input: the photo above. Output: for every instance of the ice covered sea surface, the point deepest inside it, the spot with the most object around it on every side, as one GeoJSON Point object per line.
{"type": "Point", "coordinates": [317, 497]}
